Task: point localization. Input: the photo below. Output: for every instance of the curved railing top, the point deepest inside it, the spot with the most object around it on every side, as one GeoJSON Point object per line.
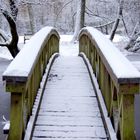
{"type": "Point", "coordinates": [23, 63]}
{"type": "Point", "coordinates": [117, 65]}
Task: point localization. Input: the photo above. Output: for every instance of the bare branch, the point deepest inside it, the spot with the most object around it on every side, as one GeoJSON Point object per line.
{"type": "Point", "coordinates": [4, 36]}
{"type": "Point", "coordinates": [103, 25]}
{"type": "Point", "coordinates": [96, 15]}
{"type": "Point", "coordinates": [62, 9]}
{"type": "Point", "coordinates": [124, 25]}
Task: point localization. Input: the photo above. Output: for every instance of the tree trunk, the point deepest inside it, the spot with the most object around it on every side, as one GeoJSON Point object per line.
{"type": "Point", "coordinates": [117, 20]}
{"type": "Point", "coordinates": [31, 18]}
{"type": "Point", "coordinates": [80, 18]}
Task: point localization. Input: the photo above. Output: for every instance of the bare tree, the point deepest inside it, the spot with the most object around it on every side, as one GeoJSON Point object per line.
{"type": "Point", "coordinates": [80, 18]}
{"type": "Point", "coordinates": [10, 44]}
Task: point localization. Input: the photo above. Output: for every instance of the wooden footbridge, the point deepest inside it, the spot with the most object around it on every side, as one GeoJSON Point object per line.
{"type": "Point", "coordinates": [85, 97]}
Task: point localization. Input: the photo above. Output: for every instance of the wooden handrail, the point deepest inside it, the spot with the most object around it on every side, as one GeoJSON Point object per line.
{"type": "Point", "coordinates": [23, 77]}
{"type": "Point", "coordinates": [118, 79]}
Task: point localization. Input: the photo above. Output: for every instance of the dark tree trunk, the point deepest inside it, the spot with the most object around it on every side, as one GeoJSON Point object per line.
{"type": "Point", "coordinates": [12, 47]}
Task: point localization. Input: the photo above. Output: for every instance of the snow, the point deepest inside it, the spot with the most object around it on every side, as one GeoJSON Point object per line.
{"type": "Point", "coordinates": [67, 47]}
{"type": "Point", "coordinates": [136, 64]}
{"type": "Point", "coordinates": [22, 64]}
{"type": "Point", "coordinates": [120, 66]}
{"type": "Point", "coordinates": [4, 53]}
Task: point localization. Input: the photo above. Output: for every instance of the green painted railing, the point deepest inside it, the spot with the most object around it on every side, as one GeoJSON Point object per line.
{"type": "Point", "coordinates": [23, 77]}
{"type": "Point", "coordinates": [118, 80]}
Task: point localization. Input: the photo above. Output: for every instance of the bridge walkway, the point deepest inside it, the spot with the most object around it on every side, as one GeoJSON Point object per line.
{"type": "Point", "coordinates": [69, 108]}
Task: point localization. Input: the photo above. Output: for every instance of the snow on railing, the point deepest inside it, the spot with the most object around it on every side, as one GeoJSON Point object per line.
{"type": "Point", "coordinates": [23, 77]}
{"type": "Point", "coordinates": [118, 79]}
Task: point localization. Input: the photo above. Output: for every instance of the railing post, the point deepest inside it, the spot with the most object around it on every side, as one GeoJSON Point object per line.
{"type": "Point", "coordinates": [127, 111]}
{"type": "Point", "coordinates": [16, 117]}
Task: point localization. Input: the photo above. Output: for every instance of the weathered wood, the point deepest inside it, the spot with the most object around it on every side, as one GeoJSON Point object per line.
{"type": "Point", "coordinates": [127, 118]}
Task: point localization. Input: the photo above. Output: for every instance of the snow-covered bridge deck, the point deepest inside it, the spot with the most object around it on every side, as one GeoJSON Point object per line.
{"type": "Point", "coordinates": [90, 96]}
{"type": "Point", "coordinates": [69, 108]}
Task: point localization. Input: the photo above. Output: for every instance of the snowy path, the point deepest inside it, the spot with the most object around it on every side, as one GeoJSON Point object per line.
{"type": "Point", "coordinates": [69, 108]}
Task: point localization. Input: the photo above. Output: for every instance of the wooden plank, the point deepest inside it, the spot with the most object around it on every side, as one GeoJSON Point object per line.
{"type": "Point", "coordinates": [63, 138]}
{"type": "Point", "coordinates": [71, 134]}
{"type": "Point", "coordinates": [68, 113]}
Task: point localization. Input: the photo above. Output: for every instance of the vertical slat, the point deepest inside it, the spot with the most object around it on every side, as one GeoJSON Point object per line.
{"type": "Point", "coordinates": [127, 118]}
{"type": "Point", "coordinates": [107, 85]}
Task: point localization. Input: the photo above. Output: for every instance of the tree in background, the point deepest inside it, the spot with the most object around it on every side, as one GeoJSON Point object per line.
{"type": "Point", "coordinates": [80, 18]}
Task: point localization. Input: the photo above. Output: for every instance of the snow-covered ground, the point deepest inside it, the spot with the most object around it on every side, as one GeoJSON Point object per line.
{"type": "Point", "coordinates": [67, 48]}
